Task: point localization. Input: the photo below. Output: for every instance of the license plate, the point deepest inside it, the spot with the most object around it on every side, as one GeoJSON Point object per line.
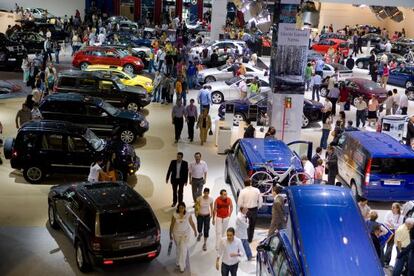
{"type": "Point", "coordinates": [392, 182]}
{"type": "Point", "coordinates": [130, 245]}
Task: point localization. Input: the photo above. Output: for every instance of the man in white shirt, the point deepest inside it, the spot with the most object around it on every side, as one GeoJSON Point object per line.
{"type": "Point", "coordinates": [316, 82]}
{"type": "Point", "coordinates": [251, 199]}
{"type": "Point", "coordinates": [242, 223]}
{"type": "Point", "coordinates": [388, 47]}
{"type": "Point", "coordinates": [404, 103]}
{"type": "Point", "coordinates": [95, 171]}
{"type": "Point", "coordinates": [308, 169]}
{"type": "Point", "coordinates": [198, 175]}
{"type": "Point", "coordinates": [101, 38]}
{"type": "Point", "coordinates": [243, 88]}
{"type": "Point", "coordinates": [230, 250]}
{"type": "Point", "coordinates": [396, 99]}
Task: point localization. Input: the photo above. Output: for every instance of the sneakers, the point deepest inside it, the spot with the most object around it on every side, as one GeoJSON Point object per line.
{"type": "Point", "coordinates": [199, 237]}
{"type": "Point", "coordinates": [204, 247]}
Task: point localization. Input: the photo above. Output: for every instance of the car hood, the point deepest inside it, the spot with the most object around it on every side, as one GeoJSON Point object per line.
{"type": "Point", "coordinates": [209, 71]}
{"type": "Point", "coordinates": [134, 89]}
{"type": "Point", "coordinates": [218, 85]}
{"type": "Point", "coordinates": [312, 104]}
{"type": "Point", "coordinates": [142, 79]}
{"type": "Point", "coordinates": [130, 115]}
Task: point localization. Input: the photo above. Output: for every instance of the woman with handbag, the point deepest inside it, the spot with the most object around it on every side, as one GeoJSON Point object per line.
{"type": "Point", "coordinates": [204, 124]}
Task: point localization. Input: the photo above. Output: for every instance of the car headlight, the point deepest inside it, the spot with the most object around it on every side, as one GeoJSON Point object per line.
{"type": "Point", "coordinates": [138, 62]}
{"type": "Point", "coordinates": [142, 124]}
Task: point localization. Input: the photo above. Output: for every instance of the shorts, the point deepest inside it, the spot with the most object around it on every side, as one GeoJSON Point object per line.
{"type": "Point", "coordinates": [372, 115]}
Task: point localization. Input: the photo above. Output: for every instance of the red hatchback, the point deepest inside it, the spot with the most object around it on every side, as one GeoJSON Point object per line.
{"type": "Point", "coordinates": [338, 44]}
{"type": "Point", "coordinates": [107, 56]}
{"type": "Point", "coordinates": [366, 88]}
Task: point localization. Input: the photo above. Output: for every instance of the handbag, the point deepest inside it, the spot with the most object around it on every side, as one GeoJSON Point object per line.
{"type": "Point", "coordinates": [210, 132]}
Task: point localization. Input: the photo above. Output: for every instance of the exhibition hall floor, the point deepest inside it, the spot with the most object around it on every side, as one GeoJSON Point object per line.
{"type": "Point", "coordinates": [29, 246]}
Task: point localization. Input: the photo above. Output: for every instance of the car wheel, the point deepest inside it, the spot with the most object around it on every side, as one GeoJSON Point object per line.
{"type": "Point", "coordinates": [324, 91]}
{"type": "Point", "coordinates": [3, 56]}
{"type": "Point", "coordinates": [237, 118]}
{"type": "Point", "coordinates": [133, 106]}
{"type": "Point", "coordinates": [81, 258]}
{"type": "Point", "coordinates": [33, 174]}
{"type": "Point", "coordinates": [129, 69]}
{"type": "Point", "coordinates": [217, 97]}
{"type": "Point", "coordinates": [209, 79]}
{"type": "Point", "coordinates": [360, 65]}
{"type": "Point", "coordinates": [408, 84]}
{"type": "Point", "coordinates": [52, 216]}
{"type": "Point", "coordinates": [127, 136]}
{"type": "Point", "coordinates": [305, 121]}
{"type": "Point", "coordinates": [8, 148]}
{"type": "Point", "coordinates": [354, 189]}
{"type": "Point", "coordinates": [355, 101]}
{"type": "Point", "coordinates": [226, 175]}
{"type": "Point", "coordinates": [84, 65]}
{"type": "Point", "coordinates": [410, 95]}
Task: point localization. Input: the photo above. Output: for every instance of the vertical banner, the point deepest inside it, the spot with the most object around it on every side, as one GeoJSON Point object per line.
{"type": "Point", "coordinates": [288, 62]}
{"type": "Point", "coordinates": [200, 10]}
{"type": "Point", "coordinates": [179, 9]}
{"type": "Point", "coordinates": [157, 11]}
{"type": "Point", "coordinates": [137, 10]}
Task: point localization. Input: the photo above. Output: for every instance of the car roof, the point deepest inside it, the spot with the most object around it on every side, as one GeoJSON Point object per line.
{"type": "Point", "coordinates": [51, 125]}
{"type": "Point", "coordinates": [381, 145]}
{"type": "Point", "coordinates": [258, 151]}
{"type": "Point", "coordinates": [111, 196]}
{"type": "Point", "coordinates": [80, 73]}
{"type": "Point", "coordinates": [98, 48]}
{"type": "Point", "coordinates": [327, 219]}
{"type": "Point", "coordinates": [74, 97]}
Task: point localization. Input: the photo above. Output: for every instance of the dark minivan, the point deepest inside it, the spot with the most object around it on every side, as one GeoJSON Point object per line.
{"type": "Point", "coordinates": [106, 222]}
{"type": "Point", "coordinates": [44, 147]}
{"type": "Point", "coordinates": [95, 114]}
{"type": "Point", "coordinates": [98, 84]}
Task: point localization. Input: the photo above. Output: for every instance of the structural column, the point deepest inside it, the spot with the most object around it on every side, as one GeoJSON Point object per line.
{"type": "Point", "coordinates": [117, 6]}
{"type": "Point", "coordinates": [200, 8]}
{"type": "Point", "coordinates": [157, 11]}
{"type": "Point", "coordinates": [179, 9]}
{"type": "Point", "coordinates": [137, 10]}
{"type": "Point", "coordinates": [218, 18]}
{"type": "Point", "coordinates": [288, 61]}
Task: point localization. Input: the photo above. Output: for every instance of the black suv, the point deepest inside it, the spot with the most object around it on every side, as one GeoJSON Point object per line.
{"type": "Point", "coordinates": [32, 42]}
{"type": "Point", "coordinates": [11, 53]}
{"type": "Point", "coordinates": [99, 84]}
{"type": "Point", "coordinates": [44, 147]}
{"type": "Point", "coordinates": [106, 222]}
{"type": "Point", "coordinates": [94, 113]}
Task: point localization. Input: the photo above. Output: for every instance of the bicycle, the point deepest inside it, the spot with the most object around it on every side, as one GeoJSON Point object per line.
{"type": "Point", "coordinates": [267, 179]}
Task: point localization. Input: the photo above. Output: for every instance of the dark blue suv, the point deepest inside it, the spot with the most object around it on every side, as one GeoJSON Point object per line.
{"type": "Point", "coordinates": [248, 155]}
{"type": "Point", "coordinates": [325, 235]}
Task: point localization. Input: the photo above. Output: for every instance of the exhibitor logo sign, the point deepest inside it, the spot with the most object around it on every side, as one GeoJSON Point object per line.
{"type": "Point", "coordinates": [290, 36]}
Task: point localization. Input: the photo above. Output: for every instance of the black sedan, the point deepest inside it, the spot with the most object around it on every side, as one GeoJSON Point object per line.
{"type": "Point", "coordinates": [32, 42]}
{"type": "Point", "coordinates": [126, 38]}
{"type": "Point", "coordinates": [363, 62]}
{"type": "Point", "coordinates": [402, 46]}
{"type": "Point", "coordinates": [374, 38]}
{"type": "Point", "coordinates": [312, 110]}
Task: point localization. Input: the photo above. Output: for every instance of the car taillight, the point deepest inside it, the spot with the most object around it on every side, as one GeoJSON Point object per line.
{"type": "Point", "coordinates": [14, 153]}
{"type": "Point", "coordinates": [152, 254]}
{"type": "Point", "coordinates": [108, 262]}
{"type": "Point", "coordinates": [368, 172]}
{"type": "Point", "coordinates": [96, 244]}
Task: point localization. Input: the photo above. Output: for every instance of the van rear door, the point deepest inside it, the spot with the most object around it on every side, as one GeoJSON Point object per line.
{"type": "Point", "coordinates": [301, 148]}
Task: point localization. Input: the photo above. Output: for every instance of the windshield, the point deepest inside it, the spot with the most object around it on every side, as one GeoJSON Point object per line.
{"type": "Point", "coordinates": [257, 98]}
{"type": "Point", "coordinates": [132, 221]}
{"type": "Point", "coordinates": [221, 68]}
{"type": "Point", "coordinates": [392, 166]}
{"type": "Point", "coordinates": [118, 82]}
{"type": "Point", "coordinates": [109, 108]}
{"type": "Point", "coordinates": [122, 53]}
{"type": "Point", "coordinates": [371, 85]}
{"type": "Point", "coordinates": [97, 143]}
{"type": "Point", "coordinates": [232, 80]}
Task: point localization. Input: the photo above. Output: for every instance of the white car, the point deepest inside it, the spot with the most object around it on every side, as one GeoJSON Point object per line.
{"type": "Point", "coordinates": [229, 89]}
{"type": "Point", "coordinates": [344, 72]}
{"type": "Point", "coordinates": [39, 13]}
{"type": "Point", "coordinates": [225, 72]}
{"type": "Point", "coordinates": [219, 45]}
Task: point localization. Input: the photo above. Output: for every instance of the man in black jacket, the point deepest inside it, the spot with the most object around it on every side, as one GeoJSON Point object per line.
{"type": "Point", "coordinates": [178, 170]}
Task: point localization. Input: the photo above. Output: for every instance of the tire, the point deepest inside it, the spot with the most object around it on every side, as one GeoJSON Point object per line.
{"type": "Point", "coordinates": [83, 65]}
{"type": "Point", "coordinates": [129, 68]}
{"type": "Point", "coordinates": [3, 56]}
{"type": "Point", "coordinates": [360, 65]}
{"type": "Point", "coordinates": [263, 181]}
{"type": "Point", "coordinates": [408, 84]}
{"type": "Point", "coordinates": [238, 117]}
{"type": "Point", "coordinates": [8, 148]}
{"type": "Point", "coordinates": [324, 92]}
{"type": "Point", "coordinates": [127, 136]}
{"type": "Point", "coordinates": [354, 101]}
{"type": "Point", "coordinates": [305, 121]}
{"type": "Point", "coordinates": [52, 216]}
{"type": "Point", "coordinates": [217, 97]}
{"type": "Point", "coordinates": [132, 106]}
{"type": "Point", "coordinates": [82, 261]}
{"type": "Point", "coordinates": [33, 174]}
{"type": "Point", "coordinates": [354, 190]}
{"type": "Point", "coordinates": [209, 79]}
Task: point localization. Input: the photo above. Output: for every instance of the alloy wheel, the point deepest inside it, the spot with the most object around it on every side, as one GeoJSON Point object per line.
{"type": "Point", "coordinates": [411, 95]}
{"type": "Point", "coordinates": [237, 119]}
{"type": "Point", "coordinates": [127, 136]}
{"type": "Point", "coordinates": [324, 91]}
{"type": "Point", "coordinates": [216, 97]}
{"type": "Point", "coordinates": [305, 121]}
{"type": "Point", "coordinates": [132, 107]}
{"type": "Point", "coordinates": [79, 255]}
{"type": "Point", "coordinates": [34, 173]}
{"type": "Point", "coordinates": [360, 65]}
{"type": "Point", "coordinates": [129, 69]}
{"type": "Point", "coordinates": [408, 84]}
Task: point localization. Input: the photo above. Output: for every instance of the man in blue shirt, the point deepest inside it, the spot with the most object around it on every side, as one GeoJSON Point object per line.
{"type": "Point", "coordinates": [204, 98]}
{"type": "Point", "coordinates": [319, 67]}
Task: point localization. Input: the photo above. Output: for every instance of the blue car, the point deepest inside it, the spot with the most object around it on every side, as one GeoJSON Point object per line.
{"type": "Point", "coordinates": [325, 235]}
{"type": "Point", "coordinates": [375, 166]}
{"type": "Point", "coordinates": [312, 110]}
{"type": "Point", "coordinates": [247, 156]}
{"type": "Point", "coordinates": [402, 76]}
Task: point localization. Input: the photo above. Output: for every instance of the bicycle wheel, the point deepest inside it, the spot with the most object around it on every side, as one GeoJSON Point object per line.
{"type": "Point", "coordinates": [300, 178]}
{"type": "Point", "coordinates": [263, 181]}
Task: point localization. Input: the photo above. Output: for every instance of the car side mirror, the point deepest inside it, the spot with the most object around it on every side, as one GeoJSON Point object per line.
{"type": "Point", "coordinates": [263, 247]}
{"type": "Point", "coordinates": [229, 151]}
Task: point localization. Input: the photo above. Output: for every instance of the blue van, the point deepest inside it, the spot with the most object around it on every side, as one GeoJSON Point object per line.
{"type": "Point", "coordinates": [248, 155]}
{"type": "Point", "coordinates": [325, 235]}
{"type": "Point", "coordinates": [376, 166]}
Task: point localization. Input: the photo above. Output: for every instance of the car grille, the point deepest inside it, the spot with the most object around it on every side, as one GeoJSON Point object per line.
{"type": "Point", "coordinates": [18, 48]}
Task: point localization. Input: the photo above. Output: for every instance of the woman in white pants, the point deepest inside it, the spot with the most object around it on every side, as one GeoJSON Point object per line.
{"type": "Point", "coordinates": [223, 207]}
{"type": "Point", "coordinates": [181, 222]}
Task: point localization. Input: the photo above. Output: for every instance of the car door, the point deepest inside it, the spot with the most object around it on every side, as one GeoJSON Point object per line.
{"type": "Point", "coordinates": [79, 155]}
{"type": "Point", "coordinates": [110, 92]}
{"type": "Point", "coordinates": [395, 76]}
{"type": "Point", "coordinates": [87, 86]}
{"type": "Point", "coordinates": [98, 120]}
{"type": "Point", "coordinates": [352, 88]}
{"type": "Point", "coordinates": [111, 57]}
{"type": "Point", "coordinates": [343, 169]}
{"type": "Point", "coordinates": [301, 148]}
{"type": "Point", "coordinates": [234, 169]}
{"type": "Point", "coordinates": [51, 151]}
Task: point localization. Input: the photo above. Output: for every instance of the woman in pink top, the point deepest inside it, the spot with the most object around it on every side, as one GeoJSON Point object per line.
{"type": "Point", "coordinates": [385, 75]}
{"type": "Point", "coordinates": [319, 170]}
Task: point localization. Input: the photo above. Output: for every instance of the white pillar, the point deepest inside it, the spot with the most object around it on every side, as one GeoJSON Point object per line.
{"type": "Point", "coordinates": [218, 18]}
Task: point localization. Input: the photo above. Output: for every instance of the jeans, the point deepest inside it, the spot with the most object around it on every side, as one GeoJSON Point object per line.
{"type": "Point", "coordinates": [197, 187]}
{"type": "Point", "coordinates": [202, 107]}
{"type": "Point", "coordinates": [247, 249]}
{"type": "Point", "coordinates": [221, 228]}
{"type": "Point", "coordinates": [252, 215]}
{"type": "Point", "coordinates": [190, 127]}
{"type": "Point", "coordinates": [57, 56]}
{"type": "Point", "coordinates": [229, 269]}
{"type": "Point", "coordinates": [178, 189]}
{"type": "Point", "coordinates": [157, 94]}
{"type": "Point", "coordinates": [333, 101]}
{"type": "Point", "coordinates": [191, 81]}
{"type": "Point", "coordinates": [399, 265]}
{"type": "Point", "coordinates": [307, 82]}
{"type": "Point", "coordinates": [404, 110]}
{"type": "Point", "coordinates": [315, 91]}
{"type": "Point", "coordinates": [184, 97]}
{"type": "Point", "coordinates": [178, 125]}
{"type": "Point", "coordinates": [203, 221]}
{"type": "Point", "coordinates": [324, 138]}
{"type": "Point", "coordinates": [151, 66]}
{"type": "Point", "coordinates": [360, 117]}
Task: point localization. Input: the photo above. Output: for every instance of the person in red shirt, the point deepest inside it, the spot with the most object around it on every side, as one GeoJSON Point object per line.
{"type": "Point", "coordinates": [343, 96]}
{"type": "Point", "coordinates": [223, 207]}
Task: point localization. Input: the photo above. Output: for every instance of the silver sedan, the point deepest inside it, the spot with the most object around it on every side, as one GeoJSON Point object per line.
{"type": "Point", "coordinates": [225, 72]}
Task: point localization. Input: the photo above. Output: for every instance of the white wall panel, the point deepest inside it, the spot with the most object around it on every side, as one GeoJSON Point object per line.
{"type": "Point", "coordinates": [56, 7]}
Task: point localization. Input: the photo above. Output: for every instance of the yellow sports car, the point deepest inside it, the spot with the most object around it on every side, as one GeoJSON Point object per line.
{"type": "Point", "coordinates": [130, 80]}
